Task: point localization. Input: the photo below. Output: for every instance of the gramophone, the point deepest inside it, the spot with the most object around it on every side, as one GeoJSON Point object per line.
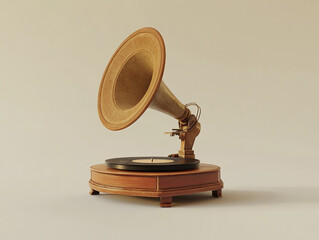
{"type": "Point", "coordinates": [132, 82]}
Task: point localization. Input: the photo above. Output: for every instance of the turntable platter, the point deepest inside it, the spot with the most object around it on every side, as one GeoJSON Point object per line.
{"type": "Point", "coordinates": [152, 164]}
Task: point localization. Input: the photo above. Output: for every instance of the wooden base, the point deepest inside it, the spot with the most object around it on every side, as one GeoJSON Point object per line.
{"type": "Point", "coordinates": [164, 185]}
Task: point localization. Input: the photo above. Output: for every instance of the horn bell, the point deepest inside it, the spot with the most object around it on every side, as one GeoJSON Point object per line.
{"type": "Point", "coordinates": [132, 82]}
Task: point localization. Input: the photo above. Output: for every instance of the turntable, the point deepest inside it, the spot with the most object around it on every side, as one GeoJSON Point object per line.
{"type": "Point", "coordinates": [131, 83]}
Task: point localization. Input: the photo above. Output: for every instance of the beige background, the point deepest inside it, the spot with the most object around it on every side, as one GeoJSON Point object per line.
{"type": "Point", "coordinates": [251, 65]}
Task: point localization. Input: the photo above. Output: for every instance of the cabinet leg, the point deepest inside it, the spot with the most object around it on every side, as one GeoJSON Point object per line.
{"type": "Point", "coordinates": [166, 201]}
{"type": "Point", "coordinates": [94, 192]}
{"type": "Point", "coordinates": [217, 193]}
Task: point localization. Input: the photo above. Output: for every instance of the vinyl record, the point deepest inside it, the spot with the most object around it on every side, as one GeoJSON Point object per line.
{"type": "Point", "coordinates": [152, 164]}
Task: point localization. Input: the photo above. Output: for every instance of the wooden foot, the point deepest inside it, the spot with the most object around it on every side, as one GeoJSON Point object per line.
{"type": "Point", "coordinates": [94, 192]}
{"type": "Point", "coordinates": [217, 193]}
{"type": "Point", "coordinates": [166, 201]}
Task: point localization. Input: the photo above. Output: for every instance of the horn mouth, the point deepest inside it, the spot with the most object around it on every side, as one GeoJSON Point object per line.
{"type": "Point", "coordinates": [131, 79]}
{"type": "Point", "coordinates": [134, 80]}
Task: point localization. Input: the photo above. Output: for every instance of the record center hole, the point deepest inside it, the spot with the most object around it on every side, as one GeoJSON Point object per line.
{"type": "Point", "coordinates": [150, 160]}
{"type": "Point", "coordinates": [133, 81]}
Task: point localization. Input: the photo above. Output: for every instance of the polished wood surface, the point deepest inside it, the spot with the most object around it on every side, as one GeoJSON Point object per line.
{"type": "Point", "coordinates": [164, 185]}
{"type": "Point", "coordinates": [203, 167]}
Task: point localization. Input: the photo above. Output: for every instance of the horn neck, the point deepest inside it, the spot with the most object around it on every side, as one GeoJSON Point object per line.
{"type": "Point", "coordinates": [166, 102]}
